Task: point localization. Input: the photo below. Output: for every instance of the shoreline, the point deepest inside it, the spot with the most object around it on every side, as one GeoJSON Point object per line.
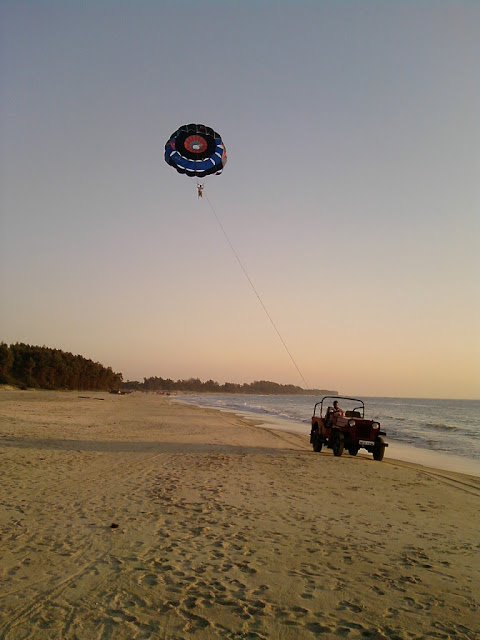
{"type": "Point", "coordinates": [135, 517]}
{"type": "Point", "coordinates": [395, 451]}
{"type": "Point", "coordinates": [399, 451]}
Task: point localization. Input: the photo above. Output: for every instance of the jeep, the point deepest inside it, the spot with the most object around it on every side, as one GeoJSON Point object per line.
{"type": "Point", "coordinates": [348, 430]}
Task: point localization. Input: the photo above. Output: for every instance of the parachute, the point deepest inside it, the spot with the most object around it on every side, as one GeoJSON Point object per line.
{"type": "Point", "coordinates": [196, 150]}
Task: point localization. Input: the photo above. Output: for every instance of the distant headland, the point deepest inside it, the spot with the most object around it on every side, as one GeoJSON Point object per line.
{"type": "Point", "coordinates": [194, 385]}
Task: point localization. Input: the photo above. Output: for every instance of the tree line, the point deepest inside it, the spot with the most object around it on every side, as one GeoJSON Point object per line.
{"type": "Point", "coordinates": [195, 385]}
{"type": "Point", "coordinates": [44, 368]}
{"type": "Point", "coordinates": [25, 365]}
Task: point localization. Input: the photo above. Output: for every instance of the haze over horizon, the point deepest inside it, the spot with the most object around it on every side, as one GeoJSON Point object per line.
{"type": "Point", "coordinates": [350, 194]}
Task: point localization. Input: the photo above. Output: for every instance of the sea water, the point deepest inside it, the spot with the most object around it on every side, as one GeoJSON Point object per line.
{"type": "Point", "coordinates": [438, 433]}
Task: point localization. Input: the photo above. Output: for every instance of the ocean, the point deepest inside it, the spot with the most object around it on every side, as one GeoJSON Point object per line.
{"type": "Point", "coordinates": [438, 433]}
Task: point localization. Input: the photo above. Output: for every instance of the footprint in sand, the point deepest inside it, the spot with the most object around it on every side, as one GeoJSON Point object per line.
{"type": "Point", "coordinates": [317, 628]}
{"type": "Point", "coordinates": [350, 606]}
{"type": "Point", "coordinates": [149, 579]}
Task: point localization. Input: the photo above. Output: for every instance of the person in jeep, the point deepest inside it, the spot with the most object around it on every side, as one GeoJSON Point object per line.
{"type": "Point", "coordinates": [332, 412]}
{"type": "Point", "coordinates": [337, 410]}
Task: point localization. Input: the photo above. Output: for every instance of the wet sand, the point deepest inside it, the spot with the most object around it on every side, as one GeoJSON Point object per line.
{"type": "Point", "coordinates": [396, 450]}
{"type": "Point", "coordinates": [222, 529]}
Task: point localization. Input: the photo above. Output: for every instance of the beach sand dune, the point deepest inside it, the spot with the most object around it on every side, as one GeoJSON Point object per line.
{"type": "Point", "coordinates": [128, 517]}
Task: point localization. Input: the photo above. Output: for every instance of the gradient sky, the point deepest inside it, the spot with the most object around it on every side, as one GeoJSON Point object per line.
{"type": "Point", "coordinates": [351, 193]}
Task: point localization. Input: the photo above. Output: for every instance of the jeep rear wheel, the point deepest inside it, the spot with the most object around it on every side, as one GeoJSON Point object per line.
{"type": "Point", "coordinates": [338, 445]}
{"type": "Point", "coordinates": [353, 451]}
{"type": "Point", "coordinates": [379, 449]}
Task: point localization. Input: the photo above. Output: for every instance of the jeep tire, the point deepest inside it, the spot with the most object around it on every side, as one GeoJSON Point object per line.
{"type": "Point", "coordinates": [379, 449]}
{"type": "Point", "coordinates": [338, 444]}
{"type": "Point", "coordinates": [316, 442]}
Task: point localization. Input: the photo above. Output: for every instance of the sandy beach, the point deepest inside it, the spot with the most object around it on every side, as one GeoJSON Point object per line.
{"type": "Point", "coordinates": [126, 517]}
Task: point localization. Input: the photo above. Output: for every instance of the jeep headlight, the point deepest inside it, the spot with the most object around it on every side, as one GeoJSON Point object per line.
{"type": "Point", "coordinates": [351, 423]}
{"type": "Point", "coordinates": [375, 425]}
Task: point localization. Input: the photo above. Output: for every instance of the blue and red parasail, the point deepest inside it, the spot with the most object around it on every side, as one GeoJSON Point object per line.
{"type": "Point", "coordinates": [196, 150]}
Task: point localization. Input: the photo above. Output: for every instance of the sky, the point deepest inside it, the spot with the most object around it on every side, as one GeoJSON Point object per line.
{"type": "Point", "coordinates": [351, 195]}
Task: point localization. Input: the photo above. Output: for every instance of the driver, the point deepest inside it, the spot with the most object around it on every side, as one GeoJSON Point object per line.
{"type": "Point", "coordinates": [333, 412]}
{"type": "Point", "coordinates": [337, 410]}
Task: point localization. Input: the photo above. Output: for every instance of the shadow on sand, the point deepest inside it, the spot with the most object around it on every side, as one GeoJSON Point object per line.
{"type": "Point", "coordinates": [113, 446]}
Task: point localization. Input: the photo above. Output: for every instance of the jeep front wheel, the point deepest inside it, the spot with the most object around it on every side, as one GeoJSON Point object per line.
{"type": "Point", "coordinates": [379, 449]}
{"type": "Point", "coordinates": [338, 445]}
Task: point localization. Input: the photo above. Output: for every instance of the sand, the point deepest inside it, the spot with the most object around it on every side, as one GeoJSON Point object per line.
{"type": "Point", "coordinates": [222, 529]}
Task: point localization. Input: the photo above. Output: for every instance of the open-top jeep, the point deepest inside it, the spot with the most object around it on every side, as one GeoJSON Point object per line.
{"type": "Point", "coordinates": [349, 430]}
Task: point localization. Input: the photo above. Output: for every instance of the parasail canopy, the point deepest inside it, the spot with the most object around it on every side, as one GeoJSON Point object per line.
{"type": "Point", "coordinates": [196, 150]}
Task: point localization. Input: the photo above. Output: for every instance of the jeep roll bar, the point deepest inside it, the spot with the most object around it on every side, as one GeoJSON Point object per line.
{"type": "Point", "coordinates": [362, 404]}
